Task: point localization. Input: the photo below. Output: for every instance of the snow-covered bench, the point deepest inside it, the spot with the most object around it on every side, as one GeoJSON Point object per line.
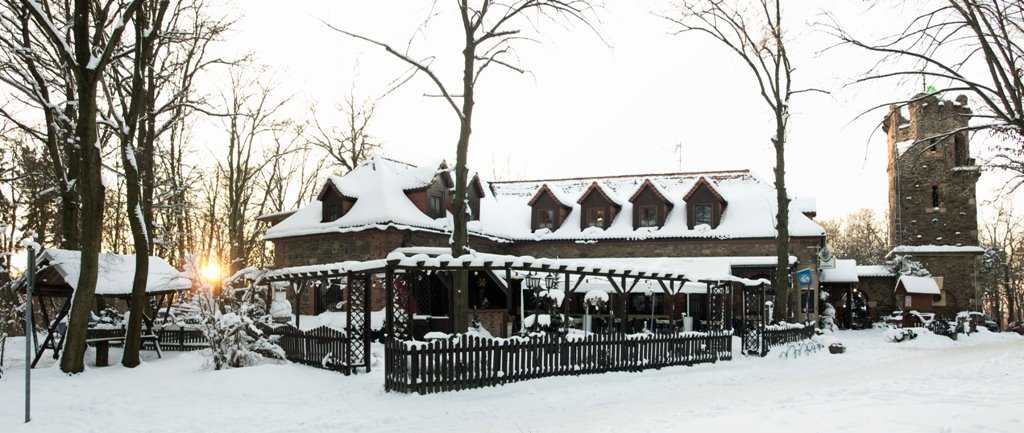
{"type": "Point", "coordinates": [102, 337]}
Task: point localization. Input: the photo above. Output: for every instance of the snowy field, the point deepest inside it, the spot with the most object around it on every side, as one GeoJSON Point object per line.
{"type": "Point", "coordinates": [930, 384]}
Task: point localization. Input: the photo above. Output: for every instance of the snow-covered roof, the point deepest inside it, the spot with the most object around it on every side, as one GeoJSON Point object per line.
{"type": "Point", "coordinates": [750, 214]}
{"type": "Point", "coordinates": [936, 249]}
{"type": "Point", "coordinates": [805, 205]}
{"type": "Point", "coordinates": [379, 186]}
{"type": "Point", "coordinates": [868, 271]}
{"type": "Point", "coordinates": [677, 269]}
{"type": "Point", "coordinates": [844, 272]}
{"type": "Point", "coordinates": [922, 285]}
{"type": "Point", "coordinates": [116, 272]}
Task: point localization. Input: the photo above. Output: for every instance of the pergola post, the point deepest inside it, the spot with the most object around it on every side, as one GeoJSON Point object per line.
{"type": "Point", "coordinates": [389, 315]}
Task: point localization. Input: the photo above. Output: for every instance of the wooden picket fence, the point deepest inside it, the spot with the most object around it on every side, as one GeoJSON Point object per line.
{"type": "Point", "coordinates": [465, 362]}
{"type": "Point", "coordinates": [778, 337]}
{"type": "Point", "coordinates": [179, 338]}
{"type": "Point", "coordinates": [320, 347]}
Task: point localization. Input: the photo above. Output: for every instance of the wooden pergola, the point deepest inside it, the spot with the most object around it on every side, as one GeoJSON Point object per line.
{"type": "Point", "coordinates": [406, 266]}
{"type": "Point", "coordinates": [57, 278]}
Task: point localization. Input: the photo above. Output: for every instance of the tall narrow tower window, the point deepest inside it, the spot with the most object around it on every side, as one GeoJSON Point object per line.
{"type": "Point", "coordinates": [935, 196]}
{"type": "Point", "coordinates": [933, 147]}
{"type": "Point", "coordinates": [959, 151]}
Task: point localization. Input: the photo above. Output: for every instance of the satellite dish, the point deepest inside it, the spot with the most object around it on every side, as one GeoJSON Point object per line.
{"type": "Point", "coordinates": [825, 254]}
{"type": "Point", "coordinates": [825, 258]}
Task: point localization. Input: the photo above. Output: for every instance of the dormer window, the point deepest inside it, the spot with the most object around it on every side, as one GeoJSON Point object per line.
{"type": "Point", "coordinates": [332, 211]}
{"type": "Point", "coordinates": [647, 216]}
{"type": "Point", "coordinates": [702, 214]}
{"type": "Point", "coordinates": [650, 207]}
{"type": "Point", "coordinates": [596, 217]}
{"type": "Point", "coordinates": [548, 211]}
{"type": "Point", "coordinates": [333, 204]}
{"type": "Point", "coordinates": [546, 219]}
{"type": "Point", "coordinates": [599, 209]}
{"type": "Point", "coordinates": [704, 205]}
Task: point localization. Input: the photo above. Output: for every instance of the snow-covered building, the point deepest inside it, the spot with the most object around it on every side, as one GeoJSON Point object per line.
{"type": "Point", "coordinates": [725, 217]}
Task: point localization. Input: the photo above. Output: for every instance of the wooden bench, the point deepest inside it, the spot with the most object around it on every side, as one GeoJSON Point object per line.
{"type": "Point", "coordinates": [102, 338]}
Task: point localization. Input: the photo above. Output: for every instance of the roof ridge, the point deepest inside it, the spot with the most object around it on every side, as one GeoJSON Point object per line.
{"type": "Point", "coordinates": [627, 176]}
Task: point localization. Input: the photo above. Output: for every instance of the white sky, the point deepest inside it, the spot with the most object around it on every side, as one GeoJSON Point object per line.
{"type": "Point", "coordinates": [588, 109]}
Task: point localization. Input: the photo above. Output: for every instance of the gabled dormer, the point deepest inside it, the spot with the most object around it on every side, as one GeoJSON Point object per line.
{"type": "Point", "coordinates": [473, 195]}
{"type": "Point", "coordinates": [433, 196]}
{"type": "Point", "coordinates": [598, 209]}
{"type": "Point", "coordinates": [334, 204]}
{"type": "Point", "coordinates": [650, 206]}
{"type": "Point", "coordinates": [547, 211]}
{"type": "Point", "coordinates": [704, 205]}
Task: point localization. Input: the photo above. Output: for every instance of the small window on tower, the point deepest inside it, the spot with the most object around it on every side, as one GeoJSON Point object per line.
{"type": "Point", "coordinates": [935, 196]}
{"type": "Point", "coordinates": [932, 146]}
{"type": "Point", "coordinates": [959, 150]}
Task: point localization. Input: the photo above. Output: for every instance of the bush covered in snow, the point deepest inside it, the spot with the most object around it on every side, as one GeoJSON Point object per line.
{"type": "Point", "coordinates": [228, 320]}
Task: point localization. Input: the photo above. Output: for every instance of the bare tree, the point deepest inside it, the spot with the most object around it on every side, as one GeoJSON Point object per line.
{"type": "Point", "coordinates": [251, 116]}
{"type": "Point", "coordinates": [351, 143]}
{"type": "Point", "coordinates": [861, 235]}
{"type": "Point", "coordinates": [490, 29]}
{"type": "Point", "coordinates": [1002, 267]}
{"type": "Point", "coordinates": [756, 35]}
{"type": "Point", "coordinates": [131, 99]}
{"type": "Point", "coordinates": [96, 30]}
{"type": "Point", "coordinates": [970, 46]}
{"type": "Point", "coordinates": [32, 66]}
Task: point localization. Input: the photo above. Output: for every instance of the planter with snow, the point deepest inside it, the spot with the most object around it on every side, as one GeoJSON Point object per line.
{"type": "Point", "coordinates": [836, 348]}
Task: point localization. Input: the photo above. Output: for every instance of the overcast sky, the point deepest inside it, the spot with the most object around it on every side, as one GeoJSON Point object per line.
{"type": "Point", "coordinates": [593, 107]}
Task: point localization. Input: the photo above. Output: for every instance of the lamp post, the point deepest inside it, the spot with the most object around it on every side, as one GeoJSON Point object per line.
{"type": "Point", "coordinates": [531, 281]}
{"type": "Point", "coordinates": [29, 330]}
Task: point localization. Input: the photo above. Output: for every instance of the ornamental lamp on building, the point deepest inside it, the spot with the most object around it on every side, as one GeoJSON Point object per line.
{"type": "Point", "coordinates": [532, 281]}
{"type": "Point", "coordinates": [551, 281]}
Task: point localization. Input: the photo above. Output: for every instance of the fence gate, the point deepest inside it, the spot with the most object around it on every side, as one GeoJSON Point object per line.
{"type": "Point", "coordinates": [403, 291]}
{"type": "Point", "coordinates": [753, 320]}
{"type": "Point", "coordinates": [719, 308]}
{"type": "Point", "coordinates": [357, 307]}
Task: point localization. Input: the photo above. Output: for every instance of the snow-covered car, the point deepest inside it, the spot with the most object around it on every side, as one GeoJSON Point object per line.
{"type": "Point", "coordinates": [918, 318]}
{"type": "Point", "coordinates": [980, 319]}
{"type": "Point", "coordinates": [1017, 326]}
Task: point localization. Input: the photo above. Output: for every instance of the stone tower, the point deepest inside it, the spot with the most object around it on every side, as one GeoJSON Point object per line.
{"type": "Point", "coordinates": [931, 175]}
{"type": "Point", "coordinates": [933, 214]}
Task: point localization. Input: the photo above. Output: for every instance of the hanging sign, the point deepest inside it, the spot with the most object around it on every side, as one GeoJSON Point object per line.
{"type": "Point", "coordinates": [803, 277]}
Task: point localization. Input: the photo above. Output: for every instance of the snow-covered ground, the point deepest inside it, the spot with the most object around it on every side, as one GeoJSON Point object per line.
{"type": "Point", "coordinates": [930, 384]}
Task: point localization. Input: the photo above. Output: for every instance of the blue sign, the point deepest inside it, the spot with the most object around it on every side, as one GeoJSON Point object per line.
{"type": "Point", "coordinates": [803, 277]}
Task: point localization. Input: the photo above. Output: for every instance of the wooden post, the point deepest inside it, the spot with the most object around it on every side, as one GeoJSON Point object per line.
{"type": "Point", "coordinates": [389, 307]}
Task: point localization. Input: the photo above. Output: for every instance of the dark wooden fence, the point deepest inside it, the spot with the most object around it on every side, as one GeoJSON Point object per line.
{"type": "Point", "coordinates": [471, 362]}
{"type": "Point", "coordinates": [320, 347]}
{"type": "Point", "coordinates": [174, 337]}
{"type": "Point", "coordinates": [778, 337]}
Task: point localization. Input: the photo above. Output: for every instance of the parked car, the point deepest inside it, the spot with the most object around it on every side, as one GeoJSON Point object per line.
{"type": "Point", "coordinates": [979, 319]}
{"type": "Point", "coordinates": [909, 318]}
{"type": "Point", "coordinates": [1017, 326]}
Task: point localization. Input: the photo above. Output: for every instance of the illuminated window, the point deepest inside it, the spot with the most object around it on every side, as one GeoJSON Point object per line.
{"type": "Point", "coordinates": [595, 217]}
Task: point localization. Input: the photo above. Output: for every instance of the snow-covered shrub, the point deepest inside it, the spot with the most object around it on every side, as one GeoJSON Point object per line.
{"type": "Point", "coordinates": [907, 265]}
{"type": "Point", "coordinates": [228, 321]}
{"type": "Point", "coordinates": [549, 319]}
